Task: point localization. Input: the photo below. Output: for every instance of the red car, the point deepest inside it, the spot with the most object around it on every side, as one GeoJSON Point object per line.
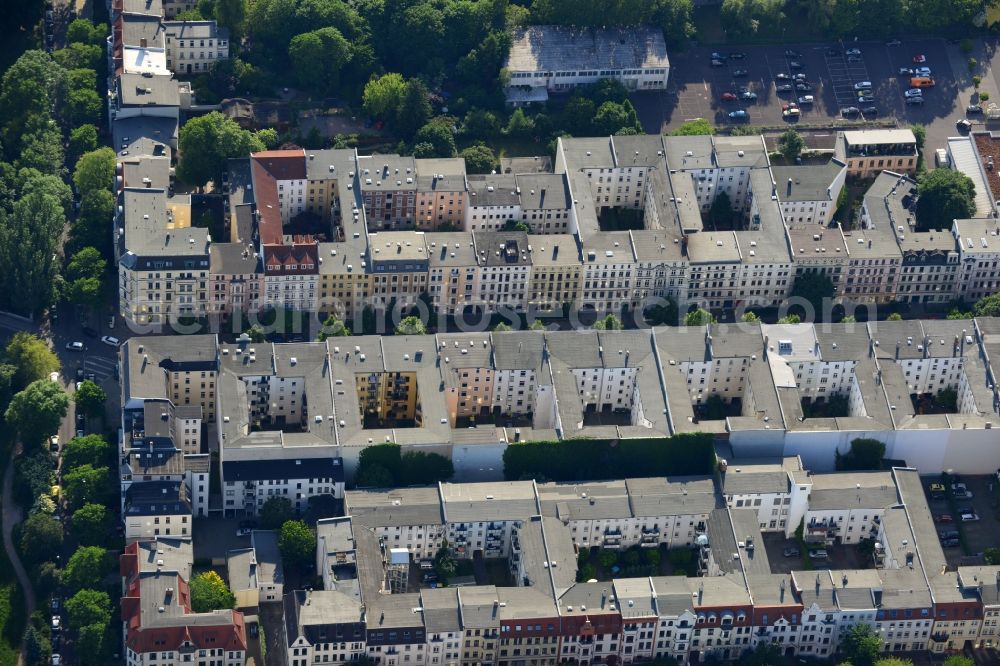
{"type": "Point", "coordinates": [728, 97]}
{"type": "Point", "coordinates": [790, 105]}
{"type": "Point", "coordinates": [919, 59]}
{"type": "Point", "coordinates": [943, 518]}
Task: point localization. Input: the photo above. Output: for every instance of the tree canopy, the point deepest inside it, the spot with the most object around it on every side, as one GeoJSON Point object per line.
{"type": "Point", "coordinates": [861, 645]}
{"type": "Point", "coordinates": [86, 568]}
{"type": "Point", "coordinates": [699, 317]}
{"type": "Point", "coordinates": [695, 127]}
{"type": "Point", "coordinates": [297, 543]}
{"type": "Point", "coordinates": [275, 513]}
{"type": "Point", "coordinates": [95, 170]}
{"type": "Point", "coordinates": [411, 326]}
{"type": "Point", "coordinates": [209, 592]}
{"type": "Point", "coordinates": [944, 195]}
{"type": "Point", "coordinates": [90, 399]}
{"type": "Point", "coordinates": [864, 454]}
{"type": "Point", "coordinates": [32, 358]}
{"type": "Point", "coordinates": [791, 144]}
{"type": "Point", "coordinates": [89, 524]}
{"type": "Point", "coordinates": [385, 465]}
{"type": "Point", "coordinates": [37, 411]}
{"type": "Point", "coordinates": [88, 607]}
{"type": "Point", "coordinates": [41, 537]}
{"type": "Point", "coordinates": [91, 450]}
{"type": "Point", "coordinates": [207, 142]}
{"type": "Point", "coordinates": [29, 241]}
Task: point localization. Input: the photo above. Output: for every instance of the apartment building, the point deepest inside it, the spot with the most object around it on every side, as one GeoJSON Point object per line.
{"type": "Point", "coordinates": [453, 271]}
{"type": "Point", "coordinates": [399, 267]}
{"type": "Point", "coordinates": [547, 59]}
{"type": "Point", "coordinates": [389, 191]}
{"type": "Point", "coordinates": [158, 623]}
{"type": "Point", "coordinates": [556, 271]}
{"type": "Point", "coordinates": [157, 508]}
{"type": "Point", "coordinates": [291, 276]}
{"type": "Point", "coordinates": [808, 194]}
{"type": "Point", "coordinates": [608, 272]}
{"type": "Point", "coordinates": [504, 269]}
{"type": "Point", "coordinates": [441, 193]}
{"type": "Point", "coordinates": [979, 247]}
{"type": "Point", "coordinates": [494, 201]}
{"type": "Point", "coordinates": [193, 47]}
{"type": "Point", "coordinates": [255, 574]}
{"type": "Point", "coordinates": [236, 281]}
{"type": "Point", "coordinates": [868, 152]}
{"type": "Point", "coordinates": [344, 285]}
{"type": "Point", "coordinates": [546, 204]}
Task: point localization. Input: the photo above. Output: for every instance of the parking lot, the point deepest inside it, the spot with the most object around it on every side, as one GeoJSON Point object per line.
{"type": "Point", "coordinates": [839, 556]}
{"type": "Point", "coordinates": [697, 87]}
{"type": "Point", "coordinates": [977, 535]}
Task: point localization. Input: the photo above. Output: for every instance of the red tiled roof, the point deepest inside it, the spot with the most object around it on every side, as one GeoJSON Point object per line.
{"type": "Point", "coordinates": [988, 146]}
{"type": "Point", "coordinates": [267, 168]}
{"type": "Point", "coordinates": [297, 259]}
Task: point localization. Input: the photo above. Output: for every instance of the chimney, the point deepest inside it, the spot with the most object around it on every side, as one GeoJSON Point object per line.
{"type": "Point", "coordinates": [789, 192]}
{"type": "Point", "coordinates": [897, 350]}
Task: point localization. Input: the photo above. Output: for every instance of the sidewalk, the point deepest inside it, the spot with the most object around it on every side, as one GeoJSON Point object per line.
{"type": "Point", "coordinates": [12, 516]}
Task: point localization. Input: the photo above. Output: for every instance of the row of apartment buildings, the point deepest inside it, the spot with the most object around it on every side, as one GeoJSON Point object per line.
{"type": "Point", "coordinates": [368, 609]}
{"type": "Point", "coordinates": [334, 231]}
{"type": "Point", "coordinates": [292, 419]}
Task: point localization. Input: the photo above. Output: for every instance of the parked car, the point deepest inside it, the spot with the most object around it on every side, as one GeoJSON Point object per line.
{"type": "Point", "coordinates": [243, 532]}
{"type": "Point", "coordinates": [863, 85]}
{"type": "Point", "coordinates": [748, 96]}
{"type": "Point", "coordinates": [791, 114]}
{"type": "Point", "coordinates": [943, 518]}
{"type": "Point", "coordinates": [818, 554]}
{"type": "Point", "coordinates": [718, 56]}
{"type": "Point", "coordinates": [914, 100]}
{"type": "Point", "coordinates": [110, 340]}
{"type": "Point", "coordinates": [430, 578]}
{"type": "Point", "coordinates": [922, 71]}
{"type": "Point", "coordinates": [973, 109]}
{"type": "Point", "coordinates": [794, 64]}
{"type": "Point", "coordinates": [803, 87]}
{"type": "Point", "coordinates": [806, 99]}
{"type": "Point", "coordinates": [936, 488]}
{"type": "Point", "coordinates": [960, 490]}
{"type": "Point", "coordinates": [76, 346]}
{"type": "Point", "coordinates": [949, 534]}
{"type": "Point", "coordinates": [717, 63]}
{"type": "Point", "coordinates": [905, 71]}
{"type": "Point", "coordinates": [853, 52]}
{"type": "Point", "coordinates": [728, 97]}
{"type": "Point", "coordinates": [849, 111]}
{"type": "Point", "coordinates": [784, 87]}
{"type": "Point", "coordinates": [740, 73]}
{"type": "Point", "coordinates": [54, 443]}
{"type": "Point", "coordinates": [792, 551]}
{"type": "Point", "coordinates": [781, 76]}
{"type": "Point", "coordinates": [867, 112]}
{"type": "Point", "coordinates": [950, 543]}
{"type": "Point", "coordinates": [55, 623]}
{"type": "Point", "coordinates": [56, 660]}
{"type": "Point", "coordinates": [865, 99]}
{"type": "Point", "coordinates": [789, 53]}
{"type": "Point", "coordinates": [739, 115]}
{"type": "Point", "coordinates": [894, 42]}
{"type": "Point", "coordinates": [919, 58]}
{"type": "Point", "coordinates": [800, 76]}
{"type": "Point", "coordinates": [964, 125]}
{"type": "Point", "coordinates": [969, 517]}
{"type": "Point", "coordinates": [55, 604]}
{"type": "Point", "coordinates": [913, 92]}
{"type": "Point", "coordinates": [789, 105]}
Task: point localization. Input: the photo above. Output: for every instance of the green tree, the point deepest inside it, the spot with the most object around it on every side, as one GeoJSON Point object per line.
{"type": "Point", "coordinates": [318, 58]}
{"type": "Point", "coordinates": [815, 288]}
{"type": "Point", "coordinates": [231, 14]}
{"type": "Point", "coordinates": [83, 31]}
{"type": "Point", "coordinates": [34, 476]}
{"type": "Point", "coordinates": [608, 323]}
{"type": "Point", "coordinates": [720, 214]}
{"type": "Point", "coordinates": [411, 326]}
{"type": "Point", "coordinates": [86, 568]}
{"type": "Point", "coordinates": [83, 275]}
{"type": "Point", "coordinates": [662, 313]}
{"type": "Point", "coordinates": [479, 158]}
{"type": "Point", "coordinates": [298, 545]}
{"type": "Point", "coordinates": [35, 412]}
{"type": "Point", "coordinates": [698, 126]}
{"type": "Point", "coordinates": [861, 645]}
{"type": "Point", "coordinates": [29, 240]}
{"type": "Point", "coordinates": [865, 454]}
{"type": "Point", "coordinates": [765, 654]}
{"type": "Point", "coordinates": [33, 180]}
{"type": "Point", "coordinates": [30, 88]}
{"type": "Point", "coordinates": [895, 316]}
{"type": "Point", "coordinates": [374, 476]}
{"type": "Point", "coordinates": [790, 319]}
{"type": "Point", "coordinates": [91, 644]}
{"type": "Point", "coordinates": [958, 660]}
{"type": "Point", "coordinates": [749, 316]}
{"type": "Point", "coordinates": [445, 564]}
{"type": "Point", "coordinates": [414, 109]}
{"type": "Point", "coordinates": [85, 485]}
{"type": "Point", "coordinates": [502, 327]}
{"type": "Point", "coordinates": [32, 358]}
{"type": "Point", "coordinates": [699, 317]}
{"type": "Point", "coordinates": [90, 524]}
{"type": "Point", "coordinates": [42, 148]}
{"type": "Point", "coordinates": [439, 137]}
{"type": "Point", "coordinates": [276, 512]}
{"type": "Point", "coordinates": [81, 140]}
{"type": "Point", "coordinates": [209, 592]}
{"type": "Point", "coordinates": [420, 468]}
{"type": "Point", "coordinates": [791, 144]}
{"type": "Point", "coordinates": [36, 647]}
{"type": "Point", "coordinates": [88, 607]}
{"type": "Point", "coordinates": [332, 328]}
{"type": "Point", "coordinates": [95, 170]}
{"type": "Point", "coordinates": [91, 450]}
{"type": "Point", "coordinates": [519, 125]}
{"type": "Point", "coordinates": [988, 306]}
{"type": "Point", "coordinates": [383, 96]}
{"type": "Point", "coordinates": [96, 208]}
{"type": "Point", "coordinates": [41, 538]}
{"type": "Point", "coordinates": [82, 106]}
{"type": "Point", "coordinates": [90, 399]}
{"type": "Point", "coordinates": [944, 195]}
{"type": "Point", "coordinates": [207, 143]}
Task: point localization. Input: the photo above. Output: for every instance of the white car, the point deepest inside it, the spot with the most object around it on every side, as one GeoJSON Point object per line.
{"type": "Point", "coordinates": [110, 340]}
{"type": "Point", "coordinates": [55, 623]}
{"type": "Point", "coordinates": [922, 71]}
{"type": "Point", "coordinates": [54, 377]}
{"type": "Point", "coordinates": [75, 346]}
{"type": "Point", "coordinates": [969, 517]}
{"type": "Point", "coordinates": [56, 660]}
{"type": "Point", "coordinates": [914, 92]}
{"type": "Point", "coordinates": [806, 99]}
{"type": "Point", "coordinates": [853, 52]}
{"type": "Point", "coordinates": [862, 85]}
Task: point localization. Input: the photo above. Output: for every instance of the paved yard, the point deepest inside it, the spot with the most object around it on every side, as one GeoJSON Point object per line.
{"type": "Point", "coordinates": [978, 535]}
{"type": "Point", "coordinates": [214, 537]}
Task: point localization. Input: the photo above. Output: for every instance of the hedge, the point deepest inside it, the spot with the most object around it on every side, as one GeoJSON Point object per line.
{"type": "Point", "coordinates": [598, 459]}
